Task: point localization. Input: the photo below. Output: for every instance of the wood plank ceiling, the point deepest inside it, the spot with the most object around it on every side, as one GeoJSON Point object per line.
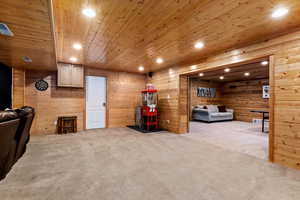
{"type": "Point", "coordinates": [128, 33]}
{"type": "Point", "coordinates": [30, 21]}
{"type": "Point", "coordinates": [237, 73]}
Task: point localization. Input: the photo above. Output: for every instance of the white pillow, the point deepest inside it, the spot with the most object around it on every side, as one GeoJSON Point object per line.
{"type": "Point", "coordinates": [212, 108]}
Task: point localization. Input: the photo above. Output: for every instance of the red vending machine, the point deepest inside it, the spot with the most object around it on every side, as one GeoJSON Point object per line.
{"type": "Point", "coordinates": [149, 109]}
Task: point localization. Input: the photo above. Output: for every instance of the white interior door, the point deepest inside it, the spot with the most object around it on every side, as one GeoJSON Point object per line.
{"type": "Point", "coordinates": [95, 102]}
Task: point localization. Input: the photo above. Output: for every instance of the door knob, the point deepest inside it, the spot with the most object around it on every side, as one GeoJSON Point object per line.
{"type": "Point", "coordinates": [103, 104]}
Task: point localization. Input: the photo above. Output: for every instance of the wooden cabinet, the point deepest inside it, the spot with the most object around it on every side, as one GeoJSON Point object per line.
{"type": "Point", "coordinates": [69, 75]}
{"type": "Point", "coordinates": [77, 76]}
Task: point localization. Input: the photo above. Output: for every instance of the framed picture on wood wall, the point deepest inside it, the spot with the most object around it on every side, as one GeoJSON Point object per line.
{"type": "Point", "coordinates": [206, 92]}
{"type": "Point", "coordinates": [266, 94]}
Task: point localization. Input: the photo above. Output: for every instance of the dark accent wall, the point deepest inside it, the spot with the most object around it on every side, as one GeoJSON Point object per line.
{"type": "Point", "coordinates": [5, 86]}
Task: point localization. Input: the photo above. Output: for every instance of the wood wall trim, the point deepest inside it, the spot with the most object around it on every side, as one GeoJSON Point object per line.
{"type": "Point", "coordinates": [272, 101]}
{"type": "Point", "coordinates": [18, 88]}
{"type": "Point", "coordinates": [84, 102]}
{"type": "Point", "coordinates": [52, 26]}
{"type": "Point", "coordinates": [183, 105]}
{"type": "Point", "coordinates": [188, 103]}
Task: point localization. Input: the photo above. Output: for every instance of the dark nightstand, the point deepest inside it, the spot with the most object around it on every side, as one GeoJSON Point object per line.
{"type": "Point", "coordinates": [67, 124]}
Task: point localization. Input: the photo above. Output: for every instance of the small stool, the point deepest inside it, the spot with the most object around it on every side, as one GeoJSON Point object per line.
{"type": "Point", "coordinates": [67, 124]}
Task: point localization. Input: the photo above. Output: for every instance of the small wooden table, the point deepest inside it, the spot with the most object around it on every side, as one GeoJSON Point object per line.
{"type": "Point", "coordinates": [265, 115]}
{"type": "Point", "coordinates": [67, 124]}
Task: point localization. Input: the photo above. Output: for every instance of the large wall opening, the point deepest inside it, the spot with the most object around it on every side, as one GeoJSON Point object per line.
{"type": "Point", "coordinates": [231, 106]}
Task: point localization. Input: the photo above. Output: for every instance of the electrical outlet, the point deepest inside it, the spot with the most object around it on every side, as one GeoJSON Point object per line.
{"type": "Point", "coordinates": [55, 122]}
{"type": "Point", "coordinates": [168, 121]}
{"type": "Point", "coordinates": [168, 97]}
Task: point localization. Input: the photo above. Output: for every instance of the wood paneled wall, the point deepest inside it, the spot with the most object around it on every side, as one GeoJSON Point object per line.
{"type": "Point", "coordinates": [167, 84]}
{"type": "Point", "coordinates": [244, 96]}
{"type": "Point", "coordinates": [183, 108]}
{"type": "Point", "coordinates": [18, 88]}
{"type": "Point", "coordinates": [123, 96]}
{"type": "Point", "coordinates": [285, 51]}
{"type": "Point", "coordinates": [52, 103]}
{"type": "Point", "coordinates": [195, 100]}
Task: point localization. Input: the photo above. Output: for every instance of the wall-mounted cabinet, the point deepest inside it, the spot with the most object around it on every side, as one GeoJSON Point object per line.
{"type": "Point", "coordinates": [70, 75]}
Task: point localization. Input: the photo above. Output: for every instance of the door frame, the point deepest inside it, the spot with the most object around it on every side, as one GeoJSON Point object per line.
{"type": "Point", "coordinates": [107, 103]}
{"type": "Point", "coordinates": [186, 109]}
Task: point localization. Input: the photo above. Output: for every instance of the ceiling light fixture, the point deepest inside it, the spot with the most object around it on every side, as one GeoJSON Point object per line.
{"type": "Point", "coordinates": [194, 67]}
{"type": "Point", "coordinates": [199, 45]}
{"type": "Point", "coordinates": [227, 70]}
{"type": "Point", "coordinates": [201, 74]}
{"type": "Point", "coordinates": [247, 74]}
{"type": "Point", "coordinates": [141, 68]}
{"type": "Point", "coordinates": [159, 60]}
{"type": "Point", "coordinates": [77, 46]}
{"type": "Point", "coordinates": [264, 63]}
{"type": "Point", "coordinates": [279, 12]}
{"type": "Point", "coordinates": [73, 59]}
{"type": "Point", "coordinates": [221, 77]}
{"type": "Point", "coordinates": [89, 12]}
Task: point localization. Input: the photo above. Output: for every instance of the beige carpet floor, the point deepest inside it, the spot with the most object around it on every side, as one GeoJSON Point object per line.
{"type": "Point", "coordinates": [237, 136]}
{"type": "Point", "coordinates": [121, 164]}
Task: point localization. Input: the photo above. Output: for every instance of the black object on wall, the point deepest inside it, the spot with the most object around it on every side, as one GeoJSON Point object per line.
{"type": "Point", "coordinates": [206, 92]}
{"type": "Point", "coordinates": [5, 86]}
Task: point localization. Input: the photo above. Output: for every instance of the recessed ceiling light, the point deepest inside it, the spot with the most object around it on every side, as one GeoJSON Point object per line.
{"type": "Point", "coordinates": [89, 12]}
{"type": "Point", "coordinates": [141, 68]}
{"type": "Point", "coordinates": [73, 59]}
{"type": "Point", "coordinates": [194, 67]}
{"type": "Point", "coordinates": [247, 74]}
{"type": "Point", "coordinates": [279, 12]}
{"type": "Point", "coordinates": [159, 60]}
{"type": "Point", "coordinates": [264, 63]}
{"type": "Point", "coordinates": [201, 74]}
{"type": "Point", "coordinates": [77, 46]}
{"type": "Point", "coordinates": [221, 77]}
{"type": "Point", "coordinates": [227, 70]}
{"type": "Point", "coordinates": [199, 45]}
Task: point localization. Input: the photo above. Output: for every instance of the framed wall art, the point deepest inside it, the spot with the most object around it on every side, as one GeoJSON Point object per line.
{"type": "Point", "coordinates": [206, 92]}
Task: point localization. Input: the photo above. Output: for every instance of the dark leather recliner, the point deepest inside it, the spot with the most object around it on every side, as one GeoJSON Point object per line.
{"type": "Point", "coordinates": [14, 135]}
{"type": "Point", "coordinates": [9, 123]}
{"type": "Point", "coordinates": [26, 115]}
